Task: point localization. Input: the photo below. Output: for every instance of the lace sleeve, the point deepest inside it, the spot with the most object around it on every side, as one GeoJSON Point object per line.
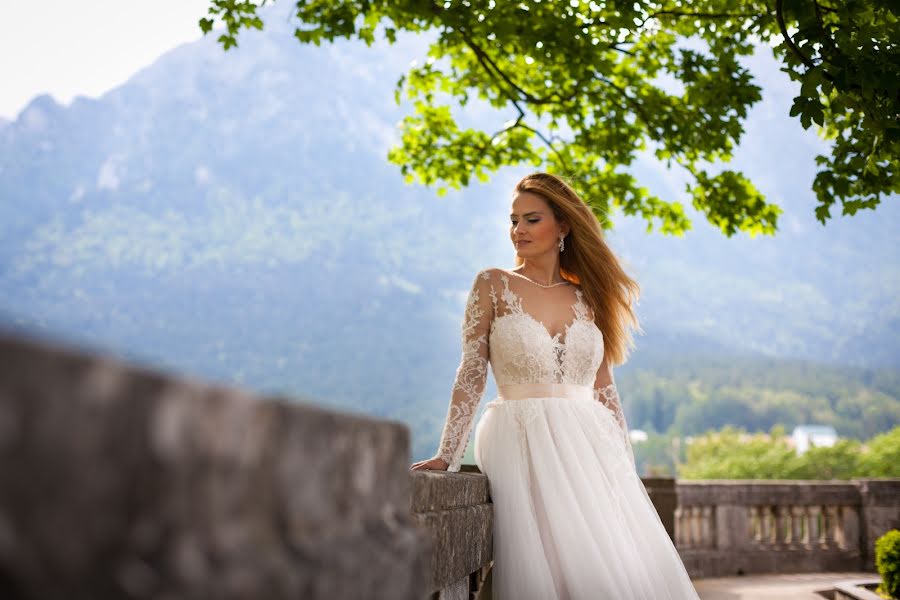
{"type": "Point", "coordinates": [471, 375]}
{"type": "Point", "coordinates": [605, 391]}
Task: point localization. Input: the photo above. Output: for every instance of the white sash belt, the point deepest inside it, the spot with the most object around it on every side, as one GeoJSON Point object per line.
{"type": "Point", "coordinates": [521, 391]}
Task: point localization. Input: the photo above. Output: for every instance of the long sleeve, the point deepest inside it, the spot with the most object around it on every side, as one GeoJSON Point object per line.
{"type": "Point", "coordinates": [471, 375]}
{"type": "Point", "coordinates": [605, 391]}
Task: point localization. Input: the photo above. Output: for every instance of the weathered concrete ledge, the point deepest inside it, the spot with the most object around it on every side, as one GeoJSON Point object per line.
{"type": "Point", "coordinates": [856, 589]}
{"type": "Point", "coordinates": [456, 510]}
{"type": "Point", "coordinates": [119, 482]}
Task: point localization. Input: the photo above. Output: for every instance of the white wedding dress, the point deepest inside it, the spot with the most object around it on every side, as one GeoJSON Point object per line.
{"type": "Point", "coordinates": [572, 520]}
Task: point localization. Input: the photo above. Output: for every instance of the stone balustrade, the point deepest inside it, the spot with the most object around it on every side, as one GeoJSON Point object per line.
{"type": "Point", "coordinates": [720, 528]}
{"type": "Point", "coordinates": [116, 481]}
{"type": "Point", "coordinates": [735, 527]}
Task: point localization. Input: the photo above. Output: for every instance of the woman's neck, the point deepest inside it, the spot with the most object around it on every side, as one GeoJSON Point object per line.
{"type": "Point", "coordinates": [546, 274]}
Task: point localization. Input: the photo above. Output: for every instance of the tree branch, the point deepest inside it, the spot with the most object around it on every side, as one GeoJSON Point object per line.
{"type": "Point", "coordinates": [622, 50]}
{"type": "Point", "coordinates": [495, 71]}
{"type": "Point", "coordinates": [706, 15]}
{"type": "Point", "coordinates": [824, 31]}
{"type": "Point", "coordinates": [518, 123]}
{"type": "Point", "coordinates": [549, 145]}
{"type": "Point", "coordinates": [635, 106]}
{"type": "Point", "coordinates": [779, 16]}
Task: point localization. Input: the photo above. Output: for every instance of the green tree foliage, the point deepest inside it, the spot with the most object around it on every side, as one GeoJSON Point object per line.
{"type": "Point", "coordinates": [732, 453]}
{"type": "Point", "coordinates": [695, 395]}
{"type": "Point", "coordinates": [883, 457]}
{"type": "Point", "coordinates": [589, 84]}
{"type": "Point", "coordinates": [840, 461]}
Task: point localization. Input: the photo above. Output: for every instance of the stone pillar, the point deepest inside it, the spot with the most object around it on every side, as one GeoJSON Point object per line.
{"type": "Point", "coordinates": [120, 482]}
{"type": "Point", "coordinates": [732, 528]}
{"type": "Point", "coordinates": [665, 499]}
{"type": "Point", "coordinates": [879, 513]}
{"type": "Point", "coordinates": [848, 528]}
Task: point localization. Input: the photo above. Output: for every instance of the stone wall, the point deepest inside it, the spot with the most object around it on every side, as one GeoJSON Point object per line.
{"type": "Point", "coordinates": [120, 482]}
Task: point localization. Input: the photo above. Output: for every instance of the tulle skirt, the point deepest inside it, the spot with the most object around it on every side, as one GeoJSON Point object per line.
{"type": "Point", "coordinates": [572, 519]}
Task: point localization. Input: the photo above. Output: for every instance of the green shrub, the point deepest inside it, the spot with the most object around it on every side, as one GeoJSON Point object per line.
{"type": "Point", "coordinates": [887, 561]}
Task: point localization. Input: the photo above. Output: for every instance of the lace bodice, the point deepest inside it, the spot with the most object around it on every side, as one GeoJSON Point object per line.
{"type": "Point", "coordinates": [521, 348]}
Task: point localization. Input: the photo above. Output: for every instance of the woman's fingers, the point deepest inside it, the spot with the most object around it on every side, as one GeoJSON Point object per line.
{"type": "Point", "coordinates": [435, 464]}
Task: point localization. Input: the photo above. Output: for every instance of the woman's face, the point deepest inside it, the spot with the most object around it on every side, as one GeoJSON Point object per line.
{"type": "Point", "coordinates": [533, 228]}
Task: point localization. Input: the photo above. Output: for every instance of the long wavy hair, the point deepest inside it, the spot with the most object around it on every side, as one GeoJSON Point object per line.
{"type": "Point", "coordinates": [589, 262]}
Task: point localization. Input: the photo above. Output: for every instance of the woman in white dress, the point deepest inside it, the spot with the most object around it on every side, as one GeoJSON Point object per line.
{"type": "Point", "coordinates": [572, 519]}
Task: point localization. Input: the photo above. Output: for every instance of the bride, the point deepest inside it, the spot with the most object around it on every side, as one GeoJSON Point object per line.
{"type": "Point", "coordinates": [572, 519]}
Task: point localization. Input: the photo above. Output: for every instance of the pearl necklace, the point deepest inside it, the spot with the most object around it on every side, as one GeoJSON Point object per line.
{"type": "Point", "coordinates": [536, 283]}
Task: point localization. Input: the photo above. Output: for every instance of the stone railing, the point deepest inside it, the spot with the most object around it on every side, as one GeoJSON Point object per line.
{"type": "Point", "coordinates": [737, 527]}
{"type": "Point", "coordinates": [120, 482]}
{"type": "Point", "coordinates": [117, 481]}
{"type": "Point", "coordinates": [720, 528]}
{"type": "Point", "coordinates": [456, 511]}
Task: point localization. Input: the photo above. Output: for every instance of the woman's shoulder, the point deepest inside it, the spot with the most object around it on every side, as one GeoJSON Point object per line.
{"type": "Point", "coordinates": [491, 274]}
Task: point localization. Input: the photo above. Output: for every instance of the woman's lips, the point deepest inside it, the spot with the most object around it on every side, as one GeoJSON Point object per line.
{"type": "Point", "coordinates": [521, 242]}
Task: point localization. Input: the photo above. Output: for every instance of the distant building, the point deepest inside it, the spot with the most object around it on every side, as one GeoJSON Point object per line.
{"type": "Point", "coordinates": [819, 435]}
{"type": "Point", "coordinates": [637, 435]}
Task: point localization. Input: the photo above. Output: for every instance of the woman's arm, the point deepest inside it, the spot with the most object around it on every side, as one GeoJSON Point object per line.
{"type": "Point", "coordinates": [606, 393]}
{"type": "Point", "coordinates": [471, 375]}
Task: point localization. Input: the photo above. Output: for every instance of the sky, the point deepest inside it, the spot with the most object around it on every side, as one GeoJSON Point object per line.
{"type": "Point", "coordinates": [87, 47]}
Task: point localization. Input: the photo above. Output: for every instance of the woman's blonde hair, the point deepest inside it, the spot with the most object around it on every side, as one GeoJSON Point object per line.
{"type": "Point", "coordinates": [589, 262]}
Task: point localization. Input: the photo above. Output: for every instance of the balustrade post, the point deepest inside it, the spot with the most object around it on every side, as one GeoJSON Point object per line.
{"type": "Point", "coordinates": [695, 526]}
{"type": "Point", "coordinates": [755, 525]}
{"type": "Point", "coordinates": [782, 523]}
{"type": "Point", "coordinates": [848, 529]}
{"type": "Point", "coordinates": [831, 525]}
{"type": "Point", "coordinates": [797, 515]}
{"type": "Point", "coordinates": [814, 531]}
{"type": "Point", "coordinates": [767, 521]}
{"type": "Point", "coordinates": [679, 528]}
{"type": "Point", "coordinates": [708, 526]}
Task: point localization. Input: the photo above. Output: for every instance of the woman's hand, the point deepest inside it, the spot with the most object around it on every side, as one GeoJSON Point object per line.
{"type": "Point", "coordinates": [433, 464]}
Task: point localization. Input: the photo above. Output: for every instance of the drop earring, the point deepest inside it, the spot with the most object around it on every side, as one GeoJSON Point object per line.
{"type": "Point", "coordinates": [562, 246]}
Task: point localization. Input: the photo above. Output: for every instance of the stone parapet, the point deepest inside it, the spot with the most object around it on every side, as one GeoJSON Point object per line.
{"type": "Point", "coordinates": [737, 527]}
{"type": "Point", "coordinates": [120, 482]}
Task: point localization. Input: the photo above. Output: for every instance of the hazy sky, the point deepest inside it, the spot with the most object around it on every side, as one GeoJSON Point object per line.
{"type": "Point", "coordinates": [84, 47]}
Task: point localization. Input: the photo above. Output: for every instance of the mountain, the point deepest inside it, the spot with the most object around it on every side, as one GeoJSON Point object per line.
{"type": "Point", "coordinates": [232, 215]}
